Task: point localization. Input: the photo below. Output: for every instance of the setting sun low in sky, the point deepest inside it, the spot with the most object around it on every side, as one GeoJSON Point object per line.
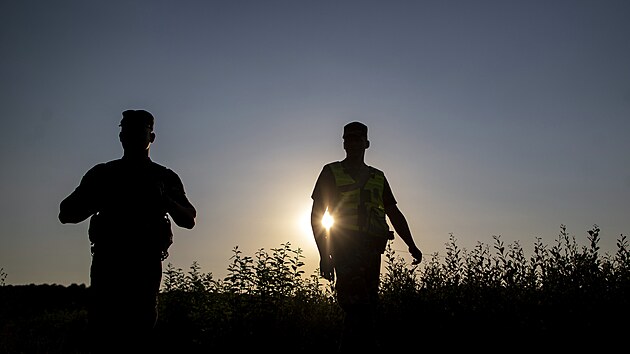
{"type": "Point", "coordinates": [327, 220]}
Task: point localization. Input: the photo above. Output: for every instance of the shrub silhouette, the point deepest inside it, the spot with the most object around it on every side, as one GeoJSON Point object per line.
{"type": "Point", "coordinates": [562, 296]}
{"type": "Point", "coordinates": [557, 292]}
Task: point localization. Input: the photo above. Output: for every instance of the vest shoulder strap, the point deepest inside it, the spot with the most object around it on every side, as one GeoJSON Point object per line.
{"type": "Point", "coordinates": [344, 181]}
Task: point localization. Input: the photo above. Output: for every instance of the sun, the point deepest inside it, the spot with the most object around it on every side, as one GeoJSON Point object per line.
{"type": "Point", "coordinates": [305, 222]}
{"type": "Point", "coordinates": [327, 220]}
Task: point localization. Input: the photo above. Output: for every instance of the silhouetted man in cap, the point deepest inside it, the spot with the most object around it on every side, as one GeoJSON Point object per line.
{"type": "Point", "coordinates": [358, 197]}
{"type": "Point", "coordinates": [128, 201]}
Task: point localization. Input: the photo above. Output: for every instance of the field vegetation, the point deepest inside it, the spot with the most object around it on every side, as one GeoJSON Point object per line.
{"type": "Point", "coordinates": [492, 297]}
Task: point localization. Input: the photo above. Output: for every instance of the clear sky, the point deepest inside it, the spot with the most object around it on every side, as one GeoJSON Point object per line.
{"type": "Point", "coordinates": [505, 118]}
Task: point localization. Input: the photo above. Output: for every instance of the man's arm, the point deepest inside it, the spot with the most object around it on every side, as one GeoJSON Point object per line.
{"type": "Point", "coordinates": [319, 232]}
{"type": "Point", "coordinates": [73, 210]}
{"type": "Point", "coordinates": [80, 204]}
{"type": "Point", "coordinates": [182, 212]}
{"type": "Point", "coordinates": [178, 206]}
{"type": "Point", "coordinates": [321, 200]}
{"type": "Point", "coordinates": [326, 268]}
{"type": "Point", "coordinates": [399, 222]}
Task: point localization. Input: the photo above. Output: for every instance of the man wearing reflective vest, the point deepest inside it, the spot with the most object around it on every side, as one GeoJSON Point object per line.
{"type": "Point", "coordinates": [358, 197]}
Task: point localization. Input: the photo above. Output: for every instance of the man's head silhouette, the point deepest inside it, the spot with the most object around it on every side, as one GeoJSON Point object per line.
{"type": "Point", "coordinates": [136, 131]}
{"type": "Point", "coordinates": [355, 139]}
{"type": "Point", "coordinates": [355, 129]}
{"type": "Point", "coordinates": [137, 118]}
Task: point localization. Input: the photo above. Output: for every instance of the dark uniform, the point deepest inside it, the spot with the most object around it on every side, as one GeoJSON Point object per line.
{"type": "Point", "coordinates": [128, 201]}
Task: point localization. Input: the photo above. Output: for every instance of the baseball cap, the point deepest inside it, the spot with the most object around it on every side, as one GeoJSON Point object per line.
{"type": "Point", "coordinates": [136, 118]}
{"type": "Point", "coordinates": [355, 128]}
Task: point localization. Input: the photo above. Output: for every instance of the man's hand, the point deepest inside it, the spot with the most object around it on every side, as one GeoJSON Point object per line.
{"type": "Point", "coordinates": [416, 254]}
{"type": "Point", "coordinates": [326, 268]}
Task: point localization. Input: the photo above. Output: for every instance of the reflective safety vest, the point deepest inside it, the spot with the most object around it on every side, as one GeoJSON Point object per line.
{"type": "Point", "coordinates": [360, 206]}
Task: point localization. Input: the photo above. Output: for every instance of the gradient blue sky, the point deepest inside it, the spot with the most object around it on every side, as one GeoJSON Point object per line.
{"type": "Point", "coordinates": [489, 118]}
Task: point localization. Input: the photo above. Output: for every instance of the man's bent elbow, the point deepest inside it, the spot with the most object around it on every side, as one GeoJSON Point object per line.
{"type": "Point", "coordinates": [190, 224]}
{"type": "Point", "coordinates": [187, 223]}
{"type": "Point", "coordinates": [64, 218]}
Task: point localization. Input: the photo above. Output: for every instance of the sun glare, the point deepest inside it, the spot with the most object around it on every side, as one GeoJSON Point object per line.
{"type": "Point", "coordinates": [327, 220]}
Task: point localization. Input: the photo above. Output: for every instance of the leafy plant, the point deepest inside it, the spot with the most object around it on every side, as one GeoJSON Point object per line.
{"type": "Point", "coordinates": [267, 301]}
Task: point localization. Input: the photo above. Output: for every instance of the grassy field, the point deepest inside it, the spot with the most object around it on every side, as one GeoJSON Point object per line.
{"type": "Point", "coordinates": [493, 298]}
